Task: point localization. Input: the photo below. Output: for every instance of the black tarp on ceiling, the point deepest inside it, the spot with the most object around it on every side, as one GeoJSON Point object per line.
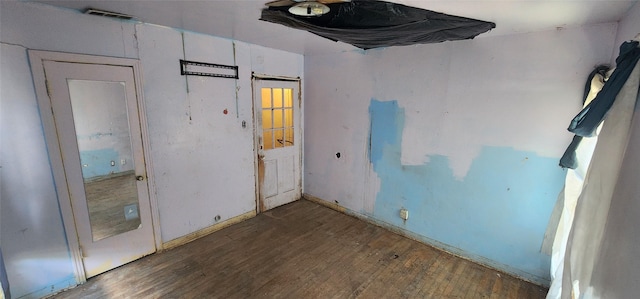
{"type": "Point", "coordinates": [370, 24]}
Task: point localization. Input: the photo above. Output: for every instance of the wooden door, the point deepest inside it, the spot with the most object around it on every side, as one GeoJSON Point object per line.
{"type": "Point", "coordinates": [96, 117]}
{"type": "Point", "coordinates": [279, 136]}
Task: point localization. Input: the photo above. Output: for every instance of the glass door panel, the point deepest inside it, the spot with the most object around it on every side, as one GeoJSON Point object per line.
{"type": "Point", "coordinates": [101, 121]}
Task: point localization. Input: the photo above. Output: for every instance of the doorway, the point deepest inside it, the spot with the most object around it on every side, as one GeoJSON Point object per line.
{"type": "Point", "coordinates": [95, 138]}
{"type": "Point", "coordinates": [278, 141]}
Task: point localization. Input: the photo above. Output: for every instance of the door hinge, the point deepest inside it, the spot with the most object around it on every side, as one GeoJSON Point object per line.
{"type": "Point", "coordinates": [81, 252]}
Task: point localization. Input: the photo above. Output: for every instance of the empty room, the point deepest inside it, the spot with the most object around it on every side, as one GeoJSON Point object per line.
{"type": "Point", "coordinates": [319, 149]}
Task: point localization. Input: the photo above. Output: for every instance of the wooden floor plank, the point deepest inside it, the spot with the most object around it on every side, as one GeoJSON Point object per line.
{"type": "Point", "coordinates": [303, 250]}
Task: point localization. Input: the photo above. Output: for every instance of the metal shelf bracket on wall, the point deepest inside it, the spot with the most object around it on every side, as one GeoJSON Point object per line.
{"type": "Point", "coordinates": [194, 68]}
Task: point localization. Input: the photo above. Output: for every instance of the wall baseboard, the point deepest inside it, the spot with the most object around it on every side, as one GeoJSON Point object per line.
{"type": "Point", "coordinates": [207, 230]}
{"type": "Point", "coordinates": [433, 243]}
{"type": "Point", "coordinates": [66, 284]}
{"type": "Point", "coordinates": [330, 205]}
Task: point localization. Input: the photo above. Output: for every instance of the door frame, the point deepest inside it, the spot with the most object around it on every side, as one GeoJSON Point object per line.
{"type": "Point", "coordinates": [256, 143]}
{"type": "Point", "coordinates": [37, 58]}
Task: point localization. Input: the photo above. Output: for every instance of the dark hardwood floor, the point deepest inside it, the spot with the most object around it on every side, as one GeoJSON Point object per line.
{"type": "Point", "coordinates": [303, 250]}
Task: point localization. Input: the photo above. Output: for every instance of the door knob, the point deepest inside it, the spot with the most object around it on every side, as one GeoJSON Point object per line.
{"type": "Point", "coordinates": [140, 178]}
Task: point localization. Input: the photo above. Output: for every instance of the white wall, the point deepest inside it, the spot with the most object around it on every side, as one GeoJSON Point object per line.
{"type": "Point", "coordinates": [465, 135]}
{"type": "Point", "coordinates": [628, 28]}
{"type": "Point", "coordinates": [204, 152]}
{"type": "Point", "coordinates": [203, 159]}
{"type": "Point", "coordinates": [207, 157]}
{"type": "Point", "coordinates": [618, 267]}
{"type": "Point", "coordinates": [32, 238]}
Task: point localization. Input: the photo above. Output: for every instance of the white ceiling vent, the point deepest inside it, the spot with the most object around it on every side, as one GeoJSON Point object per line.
{"type": "Point", "coordinates": [110, 14]}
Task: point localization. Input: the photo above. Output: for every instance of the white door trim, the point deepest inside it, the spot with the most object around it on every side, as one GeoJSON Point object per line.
{"type": "Point", "coordinates": [37, 59]}
{"type": "Point", "coordinates": [258, 76]}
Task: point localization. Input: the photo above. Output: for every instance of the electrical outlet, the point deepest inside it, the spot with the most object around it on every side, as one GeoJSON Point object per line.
{"type": "Point", "coordinates": [123, 161]}
{"type": "Point", "coordinates": [404, 214]}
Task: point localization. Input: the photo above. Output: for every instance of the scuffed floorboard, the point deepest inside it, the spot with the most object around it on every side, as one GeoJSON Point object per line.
{"type": "Point", "coordinates": [303, 250]}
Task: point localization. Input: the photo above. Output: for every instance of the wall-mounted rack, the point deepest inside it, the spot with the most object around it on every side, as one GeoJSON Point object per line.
{"type": "Point", "coordinates": [194, 68]}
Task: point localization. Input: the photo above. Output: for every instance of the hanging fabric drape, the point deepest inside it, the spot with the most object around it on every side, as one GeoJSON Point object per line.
{"type": "Point", "coordinates": [572, 271]}
{"type": "Point", "coordinates": [560, 223]}
{"type": "Point", "coordinates": [569, 158]}
{"type": "Point", "coordinates": [586, 122]}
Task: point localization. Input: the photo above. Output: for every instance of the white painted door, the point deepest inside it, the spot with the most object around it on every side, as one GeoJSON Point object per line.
{"type": "Point", "coordinates": [95, 111]}
{"type": "Point", "coordinates": [279, 140]}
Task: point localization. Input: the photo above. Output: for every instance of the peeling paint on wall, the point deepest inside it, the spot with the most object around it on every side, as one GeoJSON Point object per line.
{"type": "Point", "coordinates": [498, 211]}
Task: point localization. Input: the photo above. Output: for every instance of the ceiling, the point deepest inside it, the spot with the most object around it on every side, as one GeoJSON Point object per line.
{"type": "Point", "coordinates": [239, 19]}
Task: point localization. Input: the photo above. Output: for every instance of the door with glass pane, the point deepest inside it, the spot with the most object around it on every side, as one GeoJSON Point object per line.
{"type": "Point", "coordinates": [95, 111]}
{"type": "Point", "coordinates": [277, 107]}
